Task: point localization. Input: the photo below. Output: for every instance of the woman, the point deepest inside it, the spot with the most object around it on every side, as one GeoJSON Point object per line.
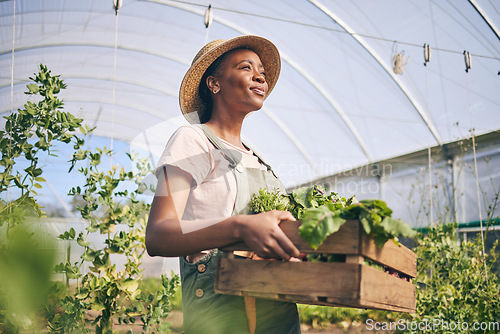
{"type": "Point", "coordinates": [206, 177]}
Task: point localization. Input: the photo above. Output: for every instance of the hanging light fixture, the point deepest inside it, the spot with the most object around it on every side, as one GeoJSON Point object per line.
{"type": "Point", "coordinates": [117, 4]}
{"type": "Point", "coordinates": [427, 54]}
{"type": "Point", "coordinates": [208, 16]}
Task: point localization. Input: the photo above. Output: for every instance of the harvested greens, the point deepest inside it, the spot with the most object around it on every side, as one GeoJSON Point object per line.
{"type": "Point", "coordinates": [323, 214]}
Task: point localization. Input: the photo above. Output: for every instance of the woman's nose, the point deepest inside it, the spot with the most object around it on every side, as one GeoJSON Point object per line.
{"type": "Point", "coordinates": [259, 77]}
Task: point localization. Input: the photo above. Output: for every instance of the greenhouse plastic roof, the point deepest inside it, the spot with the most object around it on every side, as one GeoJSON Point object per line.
{"type": "Point", "coordinates": [338, 103]}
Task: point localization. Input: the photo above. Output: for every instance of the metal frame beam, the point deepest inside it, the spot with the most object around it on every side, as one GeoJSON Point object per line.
{"type": "Point", "coordinates": [430, 125]}
{"type": "Point", "coordinates": [98, 45]}
{"type": "Point", "coordinates": [485, 17]}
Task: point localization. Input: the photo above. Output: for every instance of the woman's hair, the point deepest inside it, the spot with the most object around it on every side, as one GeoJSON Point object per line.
{"type": "Point", "coordinates": [203, 90]}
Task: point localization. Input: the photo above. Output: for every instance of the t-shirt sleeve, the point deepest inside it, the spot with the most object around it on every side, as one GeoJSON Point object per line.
{"type": "Point", "coordinates": [187, 150]}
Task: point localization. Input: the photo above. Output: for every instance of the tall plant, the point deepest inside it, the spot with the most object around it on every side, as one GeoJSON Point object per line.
{"type": "Point", "coordinates": [112, 208]}
{"type": "Point", "coordinates": [29, 133]}
{"type": "Point", "coordinates": [26, 258]}
{"type": "Point", "coordinates": [456, 284]}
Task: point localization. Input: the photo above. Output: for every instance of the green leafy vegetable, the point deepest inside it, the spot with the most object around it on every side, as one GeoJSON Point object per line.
{"type": "Point", "coordinates": [268, 200]}
{"type": "Point", "coordinates": [376, 219]}
{"type": "Point", "coordinates": [312, 197]}
{"type": "Point", "coordinates": [323, 214]}
{"type": "Point", "coordinates": [318, 223]}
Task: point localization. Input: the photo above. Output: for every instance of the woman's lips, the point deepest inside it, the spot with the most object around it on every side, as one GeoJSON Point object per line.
{"type": "Point", "coordinates": [259, 90]}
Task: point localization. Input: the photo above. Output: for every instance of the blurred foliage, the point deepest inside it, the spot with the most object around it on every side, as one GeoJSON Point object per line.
{"type": "Point", "coordinates": [319, 317]}
{"type": "Point", "coordinates": [26, 262]}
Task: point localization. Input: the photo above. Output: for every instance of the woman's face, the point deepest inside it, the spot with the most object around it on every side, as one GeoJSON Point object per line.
{"type": "Point", "coordinates": [240, 82]}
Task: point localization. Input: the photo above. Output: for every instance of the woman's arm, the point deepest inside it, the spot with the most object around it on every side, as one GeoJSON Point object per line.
{"type": "Point", "coordinates": [167, 235]}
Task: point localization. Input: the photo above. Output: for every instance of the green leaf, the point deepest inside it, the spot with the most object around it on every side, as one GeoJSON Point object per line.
{"type": "Point", "coordinates": [366, 225]}
{"type": "Point", "coordinates": [300, 196]}
{"type": "Point", "coordinates": [89, 255]}
{"type": "Point", "coordinates": [318, 224]}
{"type": "Point", "coordinates": [129, 285]}
{"type": "Point", "coordinates": [33, 171]}
{"type": "Point", "coordinates": [96, 306]}
{"type": "Point", "coordinates": [33, 88]}
{"type": "Point", "coordinates": [81, 241]}
{"type": "Point", "coordinates": [396, 227]}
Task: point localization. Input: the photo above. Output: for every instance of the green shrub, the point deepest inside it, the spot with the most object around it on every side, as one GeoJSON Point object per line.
{"type": "Point", "coordinates": [455, 282]}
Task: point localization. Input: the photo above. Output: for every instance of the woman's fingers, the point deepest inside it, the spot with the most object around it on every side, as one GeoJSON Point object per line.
{"type": "Point", "coordinates": [285, 243]}
{"type": "Point", "coordinates": [287, 246]}
{"type": "Point", "coordinates": [284, 215]}
{"type": "Point", "coordinates": [262, 233]}
{"type": "Point", "coordinates": [281, 247]}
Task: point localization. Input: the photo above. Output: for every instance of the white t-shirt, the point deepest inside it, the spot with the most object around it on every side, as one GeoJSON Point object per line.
{"type": "Point", "coordinates": [213, 190]}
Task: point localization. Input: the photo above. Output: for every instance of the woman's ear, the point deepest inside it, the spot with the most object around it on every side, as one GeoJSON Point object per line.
{"type": "Point", "coordinates": [213, 84]}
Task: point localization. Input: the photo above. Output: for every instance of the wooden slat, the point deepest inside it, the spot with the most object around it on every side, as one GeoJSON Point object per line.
{"type": "Point", "coordinates": [295, 278]}
{"type": "Point", "coordinates": [315, 300]}
{"type": "Point", "coordinates": [396, 257]}
{"type": "Point", "coordinates": [382, 288]}
{"type": "Point", "coordinates": [356, 303]}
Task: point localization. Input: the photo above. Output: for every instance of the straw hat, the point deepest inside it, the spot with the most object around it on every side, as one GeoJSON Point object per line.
{"type": "Point", "coordinates": [190, 102]}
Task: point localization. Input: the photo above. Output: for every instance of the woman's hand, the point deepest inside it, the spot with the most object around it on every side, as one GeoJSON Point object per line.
{"type": "Point", "coordinates": [261, 232]}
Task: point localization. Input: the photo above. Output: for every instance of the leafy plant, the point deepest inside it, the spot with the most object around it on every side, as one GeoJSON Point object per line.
{"type": "Point", "coordinates": [323, 317]}
{"type": "Point", "coordinates": [26, 260]}
{"type": "Point", "coordinates": [455, 281]}
{"type": "Point", "coordinates": [111, 207]}
{"type": "Point", "coordinates": [376, 219]}
{"type": "Point", "coordinates": [323, 214]}
{"type": "Point", "coordinates": [268, 200]}
{"type": "Point", "coordinates": [28, 133]}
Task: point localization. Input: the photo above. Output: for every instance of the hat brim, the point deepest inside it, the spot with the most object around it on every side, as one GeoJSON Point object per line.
{"type": "Point", "coordinates": [191, 105]}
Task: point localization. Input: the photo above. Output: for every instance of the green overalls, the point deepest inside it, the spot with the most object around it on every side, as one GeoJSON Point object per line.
{"type": "Point", "coordinates": [206, 312]}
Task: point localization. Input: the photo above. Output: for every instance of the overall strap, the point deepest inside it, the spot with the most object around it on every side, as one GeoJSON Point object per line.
{"type": "Point", "coordinates": [261, 160]}
{"type": "Point", "coordinates": [233, 161]}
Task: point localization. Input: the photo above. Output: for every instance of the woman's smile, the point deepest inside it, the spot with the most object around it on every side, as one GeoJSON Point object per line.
{"type": "Point", "coordinates": [260, 90]}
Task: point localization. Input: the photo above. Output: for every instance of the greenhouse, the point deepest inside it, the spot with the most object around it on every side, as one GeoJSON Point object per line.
{"type": "Point", "coordinates": [397, 101]}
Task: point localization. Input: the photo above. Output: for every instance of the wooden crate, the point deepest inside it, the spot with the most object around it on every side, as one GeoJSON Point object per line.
{"type": "Point", "coordinates": [351, 283]}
